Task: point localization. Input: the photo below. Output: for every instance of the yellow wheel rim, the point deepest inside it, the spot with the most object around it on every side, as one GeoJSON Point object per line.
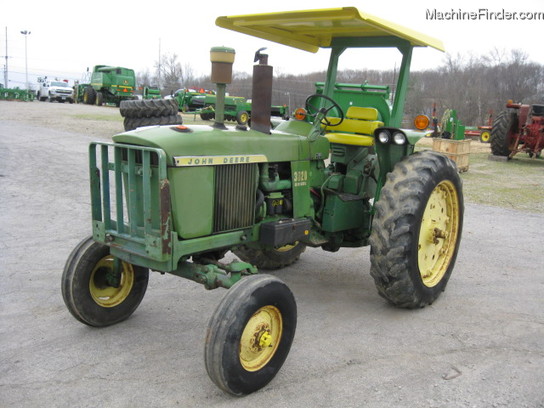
{"type": "Point", "coordinates": [286, 248]}
{"type": "Point", "coordinates": [261, 338]}
{"type": "Point", "coordinates": [438, 233]}
{"type": "Point", "coordinates": [244, 118]}
{"type": "Point", "coordinates": [104, 294]}
{"type": "Point", "coordinates": [485, 136]}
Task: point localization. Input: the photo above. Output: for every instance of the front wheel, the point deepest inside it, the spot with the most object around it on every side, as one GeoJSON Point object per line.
{"type": "Point", "coordinates": [416, 230]}
{"type": "Point", "coordinates": [89, 96]}
{"type": "Point", "coordinates": [90, 289]}
{"type": "Point", "coordinates": [250, 334]}
{"type": "Point", "coordinates": [485, 136]}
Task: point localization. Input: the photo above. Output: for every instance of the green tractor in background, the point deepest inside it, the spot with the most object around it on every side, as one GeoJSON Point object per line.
{"type": "Point", "coordinates": [108, 85]}
{"type": "Point", "coordinates": [236, 108]}
{"type": "Point", "coordinates": [175, 199]}
{"type": "Point", "coordinates": [151, 92]}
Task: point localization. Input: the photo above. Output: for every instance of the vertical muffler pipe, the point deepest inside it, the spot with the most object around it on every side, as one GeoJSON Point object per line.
{"type": "Point", "coordinates": [261, 95]}
{"type": "Point", "coordinates": [222, 59]}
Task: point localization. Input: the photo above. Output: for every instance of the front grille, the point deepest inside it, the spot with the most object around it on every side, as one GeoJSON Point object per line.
{"type": "Point", "coordinates": [235, 196]}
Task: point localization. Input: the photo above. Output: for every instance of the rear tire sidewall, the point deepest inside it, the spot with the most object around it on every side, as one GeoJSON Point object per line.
{"type": "Point", "coordinates": [397, 225]}
{"type": "Point", "coordinates": [429, 294]}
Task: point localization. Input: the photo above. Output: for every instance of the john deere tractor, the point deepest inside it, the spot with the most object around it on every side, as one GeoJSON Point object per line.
{"type": "Point", "coordinates": [174, 199]}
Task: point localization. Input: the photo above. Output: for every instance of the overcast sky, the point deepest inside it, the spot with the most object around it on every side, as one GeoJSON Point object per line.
{"type": "Point", "coordinates": [67, 38]}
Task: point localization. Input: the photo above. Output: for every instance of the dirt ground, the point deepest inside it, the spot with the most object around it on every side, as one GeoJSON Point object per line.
{"type": "Point", "coordinates": [480, 345]}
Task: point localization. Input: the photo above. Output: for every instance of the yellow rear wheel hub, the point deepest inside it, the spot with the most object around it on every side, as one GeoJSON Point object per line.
{"type": "Point", "coordinates": [101, 291]}
{"type": "Point", "coordinates": [261, 338]}
{"type": "Point", "coordinates": [438, 233]}
{"type": "Point", "coordinates": [286, 248]}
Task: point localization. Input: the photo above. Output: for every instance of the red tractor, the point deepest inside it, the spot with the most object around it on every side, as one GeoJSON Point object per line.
{"type": "Point", "coordinates": [519, 128]}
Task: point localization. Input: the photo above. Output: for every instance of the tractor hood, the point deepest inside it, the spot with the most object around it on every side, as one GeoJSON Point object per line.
{"type": "Point", "coordinates": [180, 143]}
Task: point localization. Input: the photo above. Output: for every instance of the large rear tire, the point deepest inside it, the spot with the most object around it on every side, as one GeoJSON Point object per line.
{"type": "Point", "coordinates": [250, 334]}
{"type": "Point", "coordinates": [416, 230]}
{"type": "Point", "coordinates": [271, 258]}
{"type": "Point", "coordinates": [148, 108]}
{"type": "Point", "coordinates": [133, 123]}
{"type": "Point", "coordinates": [502, 134]}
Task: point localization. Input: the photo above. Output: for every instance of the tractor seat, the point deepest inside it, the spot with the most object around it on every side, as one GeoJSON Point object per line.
{"type": "Point", "coordinates": [356, 129]}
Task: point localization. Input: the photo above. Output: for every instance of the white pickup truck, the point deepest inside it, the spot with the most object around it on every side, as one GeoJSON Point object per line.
{"type": "Point", "coordinates": [54, 90]}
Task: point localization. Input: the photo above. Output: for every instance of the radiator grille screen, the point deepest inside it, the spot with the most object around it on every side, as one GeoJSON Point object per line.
{"type": "Point", "coordinates": [235, 196]}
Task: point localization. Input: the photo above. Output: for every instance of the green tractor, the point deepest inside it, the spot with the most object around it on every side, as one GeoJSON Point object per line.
{"type": "Point", "coordinates": [108, 85]}
{"type": "Point", "coordinates": [151, 92]}
{"type": "Point", "coordinates": [174, 199]}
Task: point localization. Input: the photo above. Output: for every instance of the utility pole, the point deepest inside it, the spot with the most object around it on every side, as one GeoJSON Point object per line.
{"type": "Point", "coordinates": [159, 80]}
{"type": "Point", "coordinates": [6, 66]}
{"type": "Point", "coordinates": [26, 34]}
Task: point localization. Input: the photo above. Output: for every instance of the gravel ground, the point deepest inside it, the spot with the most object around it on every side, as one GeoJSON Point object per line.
{"type": "Point", "coordinates": [480, 345]}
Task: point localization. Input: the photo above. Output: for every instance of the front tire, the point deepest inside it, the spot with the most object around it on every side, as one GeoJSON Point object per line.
{"type": "Point", "coordinates": [89, 96]}
{"type": "Point", "coordinates": [416, 230]}
{"type": "Point", "coordinates": [485, 136]}
{"type": "Point", "coordinates": [87, 290]}
{"type": "Point", "coordinates": [250, 334]}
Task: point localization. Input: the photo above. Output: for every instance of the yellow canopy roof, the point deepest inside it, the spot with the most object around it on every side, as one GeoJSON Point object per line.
{"type": "Point", "coordinates": [310, 30]}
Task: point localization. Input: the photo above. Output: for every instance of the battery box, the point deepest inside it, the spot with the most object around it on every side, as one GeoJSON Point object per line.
{"type": "Point", "coordinates": [286, 231]}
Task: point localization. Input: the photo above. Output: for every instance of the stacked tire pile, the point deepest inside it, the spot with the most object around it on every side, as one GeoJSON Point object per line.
{"type": "Point", "coordinates": [150, 112]}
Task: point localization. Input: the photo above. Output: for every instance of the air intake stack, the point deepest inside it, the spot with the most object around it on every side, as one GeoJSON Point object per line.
{"type": "Point", "coordinates": [222, 59]}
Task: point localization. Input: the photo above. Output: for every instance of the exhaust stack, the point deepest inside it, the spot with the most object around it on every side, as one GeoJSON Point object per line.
{"type": "Point", "coordinates": [261, 95]}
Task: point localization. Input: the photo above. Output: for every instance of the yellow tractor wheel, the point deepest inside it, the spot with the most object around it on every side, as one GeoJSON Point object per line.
{"type": "Point", "coordinates": [416, 230]}
{"type": "Point", "coordinates": [250, 334]}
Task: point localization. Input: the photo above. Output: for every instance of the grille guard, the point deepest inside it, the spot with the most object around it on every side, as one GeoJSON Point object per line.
{"type": "Point", "coordinates": [130, 199]}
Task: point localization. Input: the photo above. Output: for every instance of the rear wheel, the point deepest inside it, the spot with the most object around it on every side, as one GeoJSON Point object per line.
{"type": "Point", "coordinates": [133, 123]}
{"type": "Point", "coordinates": [148, 108]}
{"type": "Point", "coordinates": [417, 230]}
{"type": "Point", "coordinates": [250, 334]}
{"type": "Point", "coordinates": [271, 258]}
{"type": "Point", "coordinates": [99, 99]}
{"type": "Point", "coordinates": [503, 133]}
{"type": "Point", "coordinates": [90, 291]}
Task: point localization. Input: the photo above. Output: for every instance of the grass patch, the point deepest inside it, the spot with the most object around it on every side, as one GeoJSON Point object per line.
{"type": "Point", "coordinates": [99, 117]}
{"type": "Point", "coordinates": [517, 184]}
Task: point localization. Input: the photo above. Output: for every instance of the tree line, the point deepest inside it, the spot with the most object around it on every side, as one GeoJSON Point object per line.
{"type": "Point", "coordinates": [476, 87]}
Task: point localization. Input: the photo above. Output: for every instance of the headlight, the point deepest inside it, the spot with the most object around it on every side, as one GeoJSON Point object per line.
{"type": "Point", "coordinates": [383, 136]}
{"type": "Point", "coordinates": [399, 138]}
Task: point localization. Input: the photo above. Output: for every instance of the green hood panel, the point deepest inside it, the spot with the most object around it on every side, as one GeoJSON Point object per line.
{"type": "Point", "coordinates": [203, 140]}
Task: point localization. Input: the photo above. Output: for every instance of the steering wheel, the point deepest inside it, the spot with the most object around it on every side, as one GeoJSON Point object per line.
{"type": "Point", "coordinates": [321, 113]}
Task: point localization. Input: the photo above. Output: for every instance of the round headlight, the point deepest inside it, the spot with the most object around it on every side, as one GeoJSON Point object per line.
{"type": "Point", "coordinates": [399, 138]}
{"type": "Point", "coordinates": [383, 136]}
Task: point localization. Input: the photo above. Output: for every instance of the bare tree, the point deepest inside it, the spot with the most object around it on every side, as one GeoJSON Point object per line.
{"type": "Point", "coordinates": [472, 85]}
